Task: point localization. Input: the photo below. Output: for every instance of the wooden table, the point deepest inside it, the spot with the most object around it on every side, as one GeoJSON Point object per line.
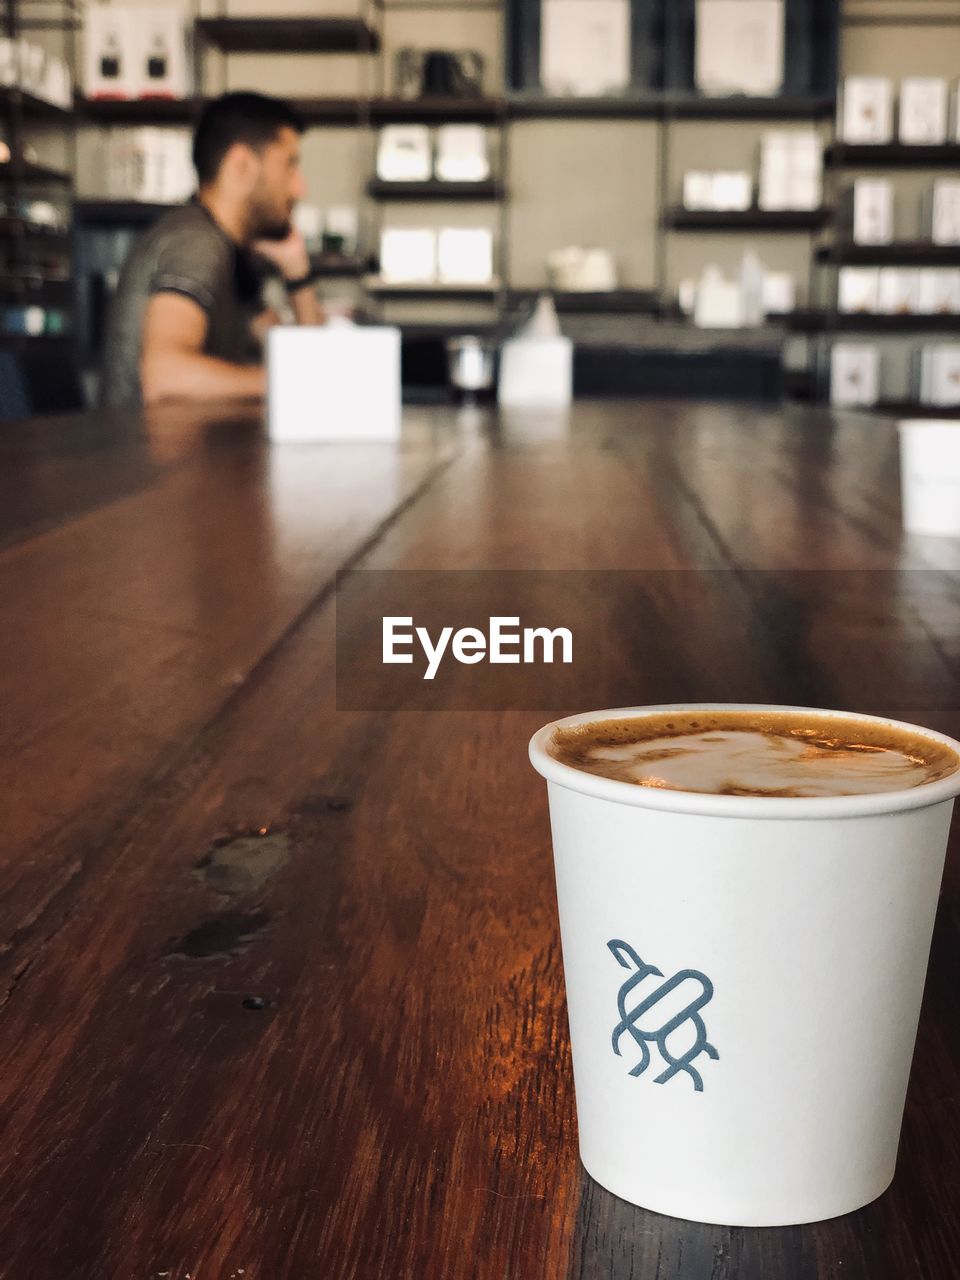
{"type": "Point", "coordinates": [281, 989]}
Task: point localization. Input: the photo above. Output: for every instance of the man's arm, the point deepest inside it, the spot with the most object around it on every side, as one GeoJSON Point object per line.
{"type": "Point", "coordinates": [172, 361]}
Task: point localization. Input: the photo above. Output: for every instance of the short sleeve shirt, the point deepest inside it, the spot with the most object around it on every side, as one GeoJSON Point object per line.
{"type": "Point", "coordinates": [184, 252]}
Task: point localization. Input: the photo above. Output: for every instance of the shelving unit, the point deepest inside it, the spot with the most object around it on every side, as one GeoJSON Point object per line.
{"type": "Point", "coordinates": [289, 35]}
{"type": "Point", "coordinates": [904, 253]}
{"type": "Point", "coordinates": [894, 155]}
{"type": "Point", "coordinates": [678, 219]}
{"type": "Point", "coordinates": [378, 189]}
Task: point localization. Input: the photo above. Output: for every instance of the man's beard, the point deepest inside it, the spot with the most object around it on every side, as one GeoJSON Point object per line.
{"type": "Point", "coordinates": [274, 229]}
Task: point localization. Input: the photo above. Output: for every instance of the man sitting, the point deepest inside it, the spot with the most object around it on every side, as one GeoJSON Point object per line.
{"type": "Point", "coordinates": [188, 316]}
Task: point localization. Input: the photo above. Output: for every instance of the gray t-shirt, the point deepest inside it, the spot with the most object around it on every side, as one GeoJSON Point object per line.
{"type": "Point", "coordinates": [184, 252]}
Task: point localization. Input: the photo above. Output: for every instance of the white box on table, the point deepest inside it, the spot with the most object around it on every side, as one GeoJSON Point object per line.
{"type": "Point", "coordinates": [866, 109]}
{"type": "Point", "coordinates": [923, 110]}
{"type": "Point", "coordinates": [854, 374]}
{"type": "Point", "coordinates": [536, 372]}
{"type": "Point", "coordinates": [333, 383]}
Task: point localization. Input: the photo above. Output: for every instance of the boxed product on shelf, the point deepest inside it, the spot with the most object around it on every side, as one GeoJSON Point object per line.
{"type": "Point", "coordinates": [858, 290]}
{"type": "Point", "coordinates": [791, 170]}
{"type": "Point", "coordinates": [408, 255]}
{"type": "Point", "coordinates": [739, 47]}
{"type": "Point", "coordinates": [697, 190]}
{"type": "Point", "coordinates": [149, 164]}
{"type": "Point", "coordinates": [36, 70]}
{"type": "Point", "coordinates": [940, 374]}
{"type": "Point", "coordinates": [404, 153]}
{"type": "Point", "coordinates": [465, 255]}
{"type": "Point", "coordinates": [461, 153]}
{"type": "Point", "coordinates": [779, 293]}
{"type": "Point", "coordinates": [944, 211]}
{"type": "Point", "coordinates": [341, 229]}
{"type": "Point", "coordinates": [731, 191]}
{"type": "Point", "coordinates": [585, 47]}
{"type": "Point", "coordinates": [109, 51]}
{"type": "Point", "coordinates": [923, 110]}
{"type": "Point", "coordinates": [939, 291]}
{"type": "Point", "coordinates": [136, 51]}
{"type": "Point", "coordinates": [899, 291]}
{"type": "Point", "coordinates": [854, 374]}
{"type": "Point", "coordinates": [866, 109]}
{"type": "Point", "coordinates": [584, 268]}
{"type": "Point", "coordinates": [869, 208]}
{"type": "Point", "coordinates": [160, 68]}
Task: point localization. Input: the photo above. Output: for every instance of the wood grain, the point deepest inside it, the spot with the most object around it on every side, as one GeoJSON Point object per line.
{"type": "Point", "coordinates": [280, 985]}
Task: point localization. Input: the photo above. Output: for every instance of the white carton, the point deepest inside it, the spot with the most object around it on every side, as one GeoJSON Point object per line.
{"type": "Point", "coordinates": [899, 291]}
{"type": "Point", "coordinates": [858, 290]}
{"type": "Point", "coordinates": [939, 291]}
{"type": "Point", "coordinates": [536, 372]}
{"type": "Point", "coordinates": [923, 110]}
{"type": "Point", "coordinates": [940, 375]}
{"type": "Point", "coordinates": [110, 51]}
{"type": "Point", "coordinates": [404, 153]}
{"type": "Point", "coordinates": [697, 190]}
{"type": "Point", "coordinates": [732, 190]}
{"type": "Point", "coordinates": [585, 47]}
{"type": "Point", "coordinates": [461, 153]}
{"type": "Point", "coordinates": [739, 47]}
{"type": "Point", "coordinates": [930, 476]}
{"type": "Point", "coordinates": [333, 384]}
{"type": "Point", "coordinates": [465, 255]}
{"type": "Point", "coordinates": [854, 374]}
{"type": "Point", "coordinates": [866, 109]}
{"type": "Point", "coordinates": [160, 69]}
{"type": "Point", "coordinates": [408, 255]}
{"type": "Point", "coordinates": [945, 212]}
{"type": "Point", "coordinates": [872, 211]}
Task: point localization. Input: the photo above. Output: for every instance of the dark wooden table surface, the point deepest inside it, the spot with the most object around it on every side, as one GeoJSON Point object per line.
{"type": "Point", "coordinates": [339, 1049]}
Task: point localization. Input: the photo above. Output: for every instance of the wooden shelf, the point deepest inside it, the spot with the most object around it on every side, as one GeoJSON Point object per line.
{"type": "Point", "coordinates": [744, 108]}
{"type": "Point", "coordinates": [892, 155]}
{"type": "Point", "coordinates": [119, 213]}
{"type": "Point", "coordinates": [612, 302]}
{"type": "Point", "coordinates": [669, 106]}
{"type": "Point", "coordinates": [745, 220]}
{"type": "Point", "coordinates": [538, 107]}
{"type": "Point", "coordinates": [33, 173]}
{"type": "Point", "coordinates": [909, 253]}
{"type": "Point", "coordinates": [436, 110]}
{"type": "Point", "coordinates": [815, 321]}
{"type": "Point", "coordinates": [31, 106]}
{"type": "Point", "coordinates": [434, 190]}
{"type": "Point", "coordinates": [385, 289]}
{"type": "Point", "coordinates": [289, 35]}
{"type": "Point", "coordinates": [139, 110]}
{"type": "Point", "coordinates": [910, 409]}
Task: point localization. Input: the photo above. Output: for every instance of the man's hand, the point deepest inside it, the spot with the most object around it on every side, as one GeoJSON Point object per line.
{"type": "Point", "coordinates": [289, 255]}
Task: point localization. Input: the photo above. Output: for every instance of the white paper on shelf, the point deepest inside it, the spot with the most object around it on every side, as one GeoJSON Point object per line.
{"type": "Point", "coordinates": [924, 107]}
{"type": "Point", "coordinates": [854, 374]}
{"type": "Point", "coordinates": [739, 47]}
{"type": "Point", "coordinates": [404, 153]}
{"type": "Point", "coordinates": [465, 255]}
{"type": "Point", "coordinates": [866, 109]}
{"type": "Point", "coordinates": [858, 290]}
{"type": "Point", "coordinates": [584, 47]}
{"type": "Point", "coordinates": [408, 255]}
{"type": "Point", "coordinates": [872, 211]}
{"type": "Point", "coordinates": [945, 212]}
{"type": "Point", "coordinates": [461, 153]}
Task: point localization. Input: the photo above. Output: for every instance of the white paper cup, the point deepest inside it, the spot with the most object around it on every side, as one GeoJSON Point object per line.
{"type": "Point", "coordinates": [930, 476]}
{"type": "Point", "coordinates": [743, 978]}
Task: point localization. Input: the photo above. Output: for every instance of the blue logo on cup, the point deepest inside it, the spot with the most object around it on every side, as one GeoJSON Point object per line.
{"type": "Point", "coordinates": [643, 1036]}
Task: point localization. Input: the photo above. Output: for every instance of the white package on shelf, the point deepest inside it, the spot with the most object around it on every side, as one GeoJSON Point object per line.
{"type": "Point", "coordinates": [923, 110]}
{"type": "Point", "coordinates": [866, 110]}
{"type": "Point", "coordinates": [854, 374]}
{"type": "Point", "coordinates": [739, 47]}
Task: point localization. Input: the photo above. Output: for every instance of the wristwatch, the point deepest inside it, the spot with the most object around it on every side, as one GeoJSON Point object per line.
{"type": "Point", "coordinates": [312, 276]}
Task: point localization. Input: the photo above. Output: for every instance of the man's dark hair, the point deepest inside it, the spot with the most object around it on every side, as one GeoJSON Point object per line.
{"type": "Point", "coordinates": [251, 118]}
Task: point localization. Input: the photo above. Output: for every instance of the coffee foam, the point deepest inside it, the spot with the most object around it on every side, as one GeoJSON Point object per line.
{"type": "Point", "coordinates": [746, 753]}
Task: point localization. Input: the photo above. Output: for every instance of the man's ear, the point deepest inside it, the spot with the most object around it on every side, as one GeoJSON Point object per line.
{"type": "Point", "coordinates": [240, 169]}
